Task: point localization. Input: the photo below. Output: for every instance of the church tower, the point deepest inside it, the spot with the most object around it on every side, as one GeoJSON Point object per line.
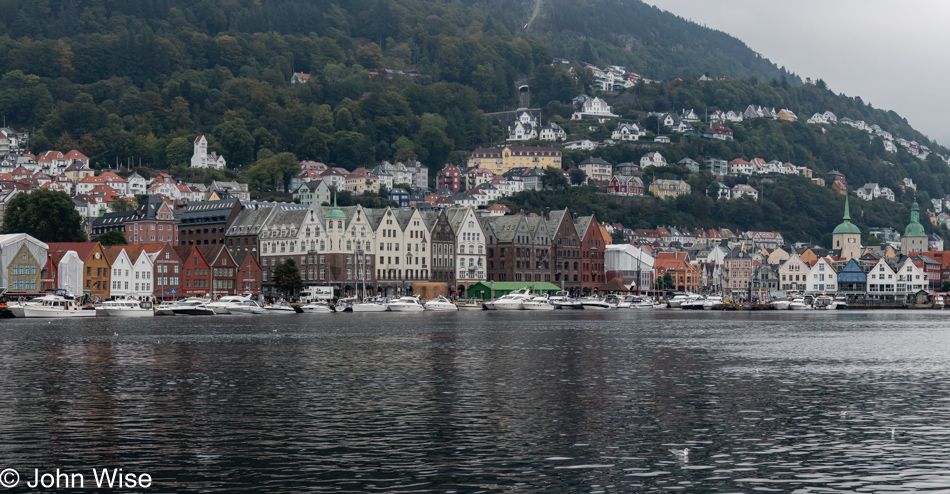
{"type": "Point", "coordinates": [915, 238]}
{"type": "Point", "coordinates": [847, 236]}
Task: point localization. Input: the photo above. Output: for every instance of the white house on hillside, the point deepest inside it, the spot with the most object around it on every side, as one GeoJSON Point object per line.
{"type": "Point", "coordinates": [201, 158]}
{"type": "Point", "coordinates": [653, 158]}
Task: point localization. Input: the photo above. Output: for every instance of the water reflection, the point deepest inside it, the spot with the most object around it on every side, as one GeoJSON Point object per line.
{"type": "Point", "coordinates": [486, 401]}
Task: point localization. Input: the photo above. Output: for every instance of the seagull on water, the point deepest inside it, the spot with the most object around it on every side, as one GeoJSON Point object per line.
{"type": "Point", "coordinates": [680, 453]}
{"type": "Point", "coordinates": [844, 414]}
{"type": "Point", "coordinates": [894, 433]}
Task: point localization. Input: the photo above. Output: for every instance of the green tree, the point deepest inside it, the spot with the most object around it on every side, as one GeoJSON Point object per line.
{"type": "Point", "coordinates": [553, 178]}
{"type": "Point", "coordinates": [122, 204]}
{"type": "Point", "coordinates": [287, 277]}
{"type": "Point", "coordinates": [112, 237]}
{"type": "Point", "coordinates": [945, 286]}
{"type": "Point", "coordinates": [48, 215]}
{"type": "Point", "coordinates": [178, 151]}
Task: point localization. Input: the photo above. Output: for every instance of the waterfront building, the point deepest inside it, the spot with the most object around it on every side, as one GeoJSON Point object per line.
{"type": "Point", "coordinates": [821, 278]}
{"type": "Point", "coordinates": [470, 247]}
{"type": "Point", "coordinates": [97, 274]}
{"type": "Point", "coordinates": [442, 247]}
{"type": "Point", "coordinates": [280, 240]}
{"type": "Point", "coordinates": [846, 237]}
{"type": "Point", "coordinates": [197, 275]}
{"type": "Point", "coordinates": [565, 251]}
{"type": "Point", "coordinates": [915, 239]}
{"type": "Point", "coordinates": [24, 259]}
{"type": "Point", "coordinates": [592, 250]}
{"type": "Point", "coordinates": [737, 270]}
{"type": "Point", "coordinates": [207, 222]}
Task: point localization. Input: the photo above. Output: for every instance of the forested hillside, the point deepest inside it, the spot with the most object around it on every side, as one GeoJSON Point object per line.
{"type": "Point", "coordinates": [137, 81]}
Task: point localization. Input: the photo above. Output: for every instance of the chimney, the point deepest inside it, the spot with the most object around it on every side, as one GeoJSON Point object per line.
{"type": "Point", "coordinates": [547, 213]}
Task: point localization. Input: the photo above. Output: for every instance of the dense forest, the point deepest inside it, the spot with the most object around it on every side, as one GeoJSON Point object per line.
{"type": "Point", "coordinates": [137, 81]}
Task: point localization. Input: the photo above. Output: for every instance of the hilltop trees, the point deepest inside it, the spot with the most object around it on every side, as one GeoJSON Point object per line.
{"type": "Point", "coordinates": [45, 214]}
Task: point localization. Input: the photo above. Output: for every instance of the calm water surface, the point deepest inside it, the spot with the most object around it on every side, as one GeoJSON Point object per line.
{"type": "Point", "coordinates": [486, 401]}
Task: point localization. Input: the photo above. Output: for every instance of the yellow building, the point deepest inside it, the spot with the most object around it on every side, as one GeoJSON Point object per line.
{"type": "Point", "coordinates": [669, 188]}
{"type": "Point", "coordinates": [786, 115]}
{"type": "Point", "coordinates": [500, 160]}
{"type": "Point", "coordinates": [361, 180]}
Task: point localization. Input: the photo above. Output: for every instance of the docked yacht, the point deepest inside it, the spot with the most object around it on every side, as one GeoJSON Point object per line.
{"type": "Point", "coordinates": [538, 302]}
{"type": "Point", "coordinates": [563, 301]}
{"type": "Point", "coordinates": [192, 307]}
{"type": "Point", "coordinates": [825, 302]}
{"type": "Point", "coordinates": [440, 304]}
{"type": "Point", "coordinates": [16, 308]}
{"type": "Point", "coordinates": [369, 306]}
{"type": "Point", "coordinates": [635, 302]}
{"type": "Point", "coordinates": [799, 304]}
{"type": "Point", "coordinates": [677, 301]}
{"type": "Point", "coordinates": [221, 305]}
{"type": "Point", "coordinates": [125, 308]}
{"type": "Point", "coordinates": [781, 304]}
{"type": "Point", "coordinates": [279, 308]}
{"type": "Point", "coordinates": [247, 307]}
{"type": "Point", "coordinates": [598, 303]}
{"type": "Point", "coordinates": [406, 304]}
{"type": "Point", "coordinates": [695, 302]}
{"type": "Point", "coordinates": [712, 301]}
{"type": "Point", "coordinates": [512, 301]}
{"type": "Point", "coordinates": [316, 307]}
{"type": "Point", "coordinates": [57, 306]}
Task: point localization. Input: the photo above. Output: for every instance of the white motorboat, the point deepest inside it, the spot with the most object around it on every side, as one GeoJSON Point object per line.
{"type": "Point", "coordinates": [316, 307]}
{"type": "Point", "coordinates": [375, 306]}
{"type": "Point", "coordinates": [677, 301]}
{"type": "Point", "coordinates": [799, 304]}
{"type": "Point", "coordinates": [695, 302]}
{"type": "Point", "coordinates": [597, 303]}
{"type": "Point", "coordinates": [635, 302]}
{"type": "Point", "coordinates": [512, 301]}
{"type": "Point", "coordinates": [279, 308]}
{"type": "Point", "coordinates": [221, 305]}
{"type": "Point", "coordinates": [472, 304]}
{"type": "Point", "coordinates": [247, 307]}
{"type": "Point", "coordinates": [539, 302]}
{"type": "Point", "coordinates": [938, 302]}
{"type": "Point", "coordinates": [440, 304]}
{"type": "Point", "coordinates": [192, 307]}
{"type": "Point", "coordinates": [619, 303]}
{"type": "Point", "coordinates": [125, 308]}
{"type": "Point", "coordinates": [59, 307]}
{"type": "Point", "coordinates": [712, 301]}
{"type": "Point", "coordinates": [563, 301]}
{"type": "Point", "coordinates": [406, 304]}
{"type": "Point", "coordinates": [781, 304]}
{"type": "Point", "coordinates": [16, 308]}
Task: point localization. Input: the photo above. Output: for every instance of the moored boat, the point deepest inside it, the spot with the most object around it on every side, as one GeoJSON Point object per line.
{"type": "Point", "coordinates": [316, 307]}
{"type": "Point", "coordinates": [781, 304]}
{"type": "Point", "coordinates": [406, 304]}
{"type": "Point", "coordinates": [712, 301]}
{"type": "Point", "coordinates": [279, 308]}
{"type": "Point", "coordinates": [693, 303]}
{"type": "Point", "coordinates": [125, 308]}
{"type": "Point", "coordinates": [563, 301]}
{"type": "Point", "coordinates": [221, 305]}
{"type": "Point", "coordinates": [440, 304]}
{"type": "Point", "coordinates": [799, 304]}
{"type": "Point", "coordinates": [247, 307]}
{"type": "Point", "coordinates": [192, 307]}
{"type": "Point", "coordinates": [512, 301]}
{"type": "Point", "coordinates": [538, 302]}
{"type": "Point", "coordinates": [59, 307]}
{"type": "Point", "coordinates": [635, 302]}
{"type": "Point", "coordinates": [597, 303]}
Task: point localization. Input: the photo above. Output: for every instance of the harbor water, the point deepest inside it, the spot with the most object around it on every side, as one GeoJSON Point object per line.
{"type": "Point", "coordinates": [561, 401]}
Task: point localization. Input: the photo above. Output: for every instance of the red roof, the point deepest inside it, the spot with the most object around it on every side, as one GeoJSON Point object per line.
{"type": "Point", "coordinates": [499, 207]}
{"type": "Point", "coordinates": [75, 155]}
{"type": "Point", "coordinates": [83, 249]}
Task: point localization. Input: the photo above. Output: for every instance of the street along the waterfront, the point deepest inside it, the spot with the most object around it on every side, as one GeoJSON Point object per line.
{"type": "Point", "coordinates": [485, 401]}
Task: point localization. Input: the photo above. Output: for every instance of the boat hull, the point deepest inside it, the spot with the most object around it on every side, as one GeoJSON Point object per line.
{"type": "Point", "coordinates": [506, 305]}
{"type": "Point", "coordinates": [406, 308]}
{"type": "Point", "coordinates": [536, 306]}
{"type": "Point", "coordinates": [45, 312]}
{"type": "Point", "coordinates": [441, 308]}
{"type": "Point", "coordinates": [193, 311]}
{"type": "Point", "coordinates": [368, 308]}
{"type": "Point", "coordinates": [126, 312]}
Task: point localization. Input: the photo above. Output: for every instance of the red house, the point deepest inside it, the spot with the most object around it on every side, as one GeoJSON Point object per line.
{"type": "Point", "coordinates": [248, 276]}
{"type": "Point", "coordinates": [449, 178]}
{"type": "Point", "coordinates": [592, 253]}
{"type": "Point", "coordinates": [223, 270]}
{"type": "Point", "coordinates": [197, 277]}
{"type": "Point", "coordinates": [166, 269]}
{"type": "Point", "coordinates": [625, 186]}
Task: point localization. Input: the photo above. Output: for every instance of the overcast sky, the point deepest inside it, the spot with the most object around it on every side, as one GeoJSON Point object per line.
{"type": "Point", "coordinates": [891, 54]}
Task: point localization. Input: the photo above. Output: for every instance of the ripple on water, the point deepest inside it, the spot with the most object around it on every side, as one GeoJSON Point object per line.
{"type": "Point", "coordinates": [487, 401]}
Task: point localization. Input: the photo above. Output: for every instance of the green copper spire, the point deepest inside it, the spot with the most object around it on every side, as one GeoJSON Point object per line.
{"type": "Point", "coordinates": [335, 213]}
{"type": "Point", "coordinates": [914, 228]}
{"type": "Point", "coordinates": [846, 226]}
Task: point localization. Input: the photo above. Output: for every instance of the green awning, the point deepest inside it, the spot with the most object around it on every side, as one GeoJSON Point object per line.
{"type": "Point", "coordinates": [483, 289]}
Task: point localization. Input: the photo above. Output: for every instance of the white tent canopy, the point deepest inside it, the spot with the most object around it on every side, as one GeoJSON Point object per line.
{"type": "Point", "coordinates": [70, 274]}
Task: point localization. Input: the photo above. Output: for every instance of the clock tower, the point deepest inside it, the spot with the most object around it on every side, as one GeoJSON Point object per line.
{"type": "Point", "coordinates": [847, 236]}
